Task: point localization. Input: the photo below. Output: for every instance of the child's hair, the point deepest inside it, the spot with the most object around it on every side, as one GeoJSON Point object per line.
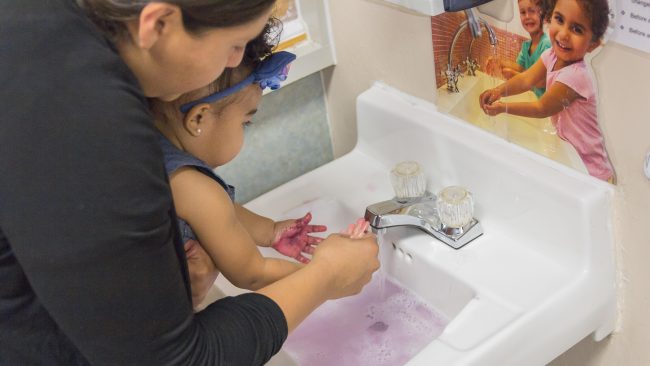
{"type": "Point", "coordinates": [256, 50]}
{"type": "Point", "coordinates": [596, 10]}
{"type": "Point", "coordinates": [541, 4]}
{"type": "Point", "coordinates": [198, 15]}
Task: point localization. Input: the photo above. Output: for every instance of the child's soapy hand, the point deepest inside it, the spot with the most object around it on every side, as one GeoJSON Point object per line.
{"type": "Point", "coordinates": [291, 237]}
{"type": "Point", "coordinates": [494, 108]}
{"type": "Point", "coordinates": [508, 73]}
{"type": "Point", "coordinates": [488, 97]}
{"type": "Point", "coordinates": [357, 230]}
{"type": "Point", "coordinates": [493, 67]}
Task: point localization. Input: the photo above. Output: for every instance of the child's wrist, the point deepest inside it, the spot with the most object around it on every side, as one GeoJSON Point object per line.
{"type": "Point", "coordinates": [271, 233]}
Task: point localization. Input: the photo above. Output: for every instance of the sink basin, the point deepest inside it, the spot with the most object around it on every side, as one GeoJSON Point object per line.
{"type": "Point", "coordinates": [535, 134]}
{"type": "Point", "coordinates": [540, 279]}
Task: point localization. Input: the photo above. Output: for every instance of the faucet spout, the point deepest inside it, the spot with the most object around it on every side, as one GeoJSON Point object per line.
{"type": "Point", "coordinates": [420, 212]}
{"type": "Point", "coordinates": [474, 23]}
{"type": "Point", "coordinates": [395, 212]}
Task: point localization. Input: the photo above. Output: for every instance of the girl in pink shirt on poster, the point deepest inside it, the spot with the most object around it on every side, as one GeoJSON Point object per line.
{"type": "Point", "coordinates": [576, 28]}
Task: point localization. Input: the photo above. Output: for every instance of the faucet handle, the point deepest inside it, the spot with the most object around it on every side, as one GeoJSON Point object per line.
{"type": "Point", "coordinates": [408, 180]}
{"type": "Point", "coordinates": [455, 207]}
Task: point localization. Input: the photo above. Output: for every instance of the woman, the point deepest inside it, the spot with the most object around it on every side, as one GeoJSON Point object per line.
{"type": "Point", "coordinates": [92, 268]}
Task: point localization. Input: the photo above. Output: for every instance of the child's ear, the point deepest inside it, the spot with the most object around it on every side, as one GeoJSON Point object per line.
{"type": "Point", "coordinates": [156, 19]}
{"type": "Point", "coordinates": [194, 119]}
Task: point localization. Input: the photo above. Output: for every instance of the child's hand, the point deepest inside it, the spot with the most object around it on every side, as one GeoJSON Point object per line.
{"type": "Point", "coordinates": [493, 67]}
{"type": "Point", "coordinates": [509, 73]}
{"type": "Point", "coordinates": [291, 237]}
{"type": "Point", "coordinates": [494, 108]}
{"type": "Point", "coordinates": [488, 97]}
{"type": "Point", "coordinates": [357, 230]}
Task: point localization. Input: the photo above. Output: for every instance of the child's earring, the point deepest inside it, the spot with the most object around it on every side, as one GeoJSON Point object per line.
{"type": "Point", "coordinates": [198, 131]}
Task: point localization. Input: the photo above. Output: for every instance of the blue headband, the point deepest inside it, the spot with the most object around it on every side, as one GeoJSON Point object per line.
{"type": "Point", "coordinates": [268, 74]}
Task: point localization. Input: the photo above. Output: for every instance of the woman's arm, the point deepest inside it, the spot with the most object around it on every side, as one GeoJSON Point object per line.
{"type": "Point", "coordinates": [556, 98]}
{"type": "Point", "coordinates": [206, 207]}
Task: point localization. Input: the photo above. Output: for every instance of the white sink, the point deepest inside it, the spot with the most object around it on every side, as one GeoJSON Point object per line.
{"type": "Point", "coordinates": [539, 280]}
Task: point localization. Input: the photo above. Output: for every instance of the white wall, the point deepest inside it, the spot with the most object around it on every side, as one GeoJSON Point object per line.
{"type": "Point", "coordinates": [369, 38]}
{"type": "Point", "coordinates": [378, 42]}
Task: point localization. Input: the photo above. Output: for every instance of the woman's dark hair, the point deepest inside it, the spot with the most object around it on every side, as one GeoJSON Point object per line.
{"type": "Point", "coordinates": [257, 49]}
{"type": "Point", "coordinates": [198, 15]}
{"type": "Point", "coordinates": [596, 10]}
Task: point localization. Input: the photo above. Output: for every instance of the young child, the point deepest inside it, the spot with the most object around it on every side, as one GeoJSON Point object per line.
{"type": "Point", "coordinates": [576, 28]}
{"type": "Point", "coordinates": [200, 132]}
{"type": "Point", "coordinates": [531, 14]}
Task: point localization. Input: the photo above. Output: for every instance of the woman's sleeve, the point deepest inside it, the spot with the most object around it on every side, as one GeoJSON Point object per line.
{"type": "Point", "coordinates": [87, 211]}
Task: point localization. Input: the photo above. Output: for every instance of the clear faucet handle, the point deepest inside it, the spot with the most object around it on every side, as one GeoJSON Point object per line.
{"type": "Point", "coordinates": [455, 206]}
{"type": "Point", "coordinates": [408, 180]}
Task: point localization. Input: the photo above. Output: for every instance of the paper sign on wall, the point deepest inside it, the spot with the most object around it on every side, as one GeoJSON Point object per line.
{"type": "Point", "coordinates": [632, 19]}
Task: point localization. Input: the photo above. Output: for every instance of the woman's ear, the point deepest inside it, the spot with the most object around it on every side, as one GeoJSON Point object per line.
{"type": "Point", "coordinates": [156, 19]}
{"type": "Point", "coordinates": [194, 119]}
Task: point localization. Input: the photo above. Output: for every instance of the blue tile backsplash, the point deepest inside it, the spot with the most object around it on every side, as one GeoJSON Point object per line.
{"type": "Point", "coordinates": [289, 136]}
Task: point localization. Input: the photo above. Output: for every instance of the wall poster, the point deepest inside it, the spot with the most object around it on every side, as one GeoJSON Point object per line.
{"type": "Point", "coordinates": [530, 81]}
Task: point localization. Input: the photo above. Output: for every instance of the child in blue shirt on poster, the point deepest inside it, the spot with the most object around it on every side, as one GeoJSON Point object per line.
{"type": "Point", "coordinates": [531, 13]}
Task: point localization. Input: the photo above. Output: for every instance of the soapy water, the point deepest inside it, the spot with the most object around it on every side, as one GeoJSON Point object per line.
{"type": "Point", "coordinates": [371, 328]}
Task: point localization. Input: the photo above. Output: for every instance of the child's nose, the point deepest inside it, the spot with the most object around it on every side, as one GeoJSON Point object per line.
{"type": "Point", "coordinates": [563, 33]}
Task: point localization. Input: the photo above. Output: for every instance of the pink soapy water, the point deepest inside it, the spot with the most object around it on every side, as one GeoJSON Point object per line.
{"type": "Point", "coordinates": [370, 328]}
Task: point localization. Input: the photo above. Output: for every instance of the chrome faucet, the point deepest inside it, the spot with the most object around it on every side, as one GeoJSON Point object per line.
{"type": "Point", "coordinates": [471, 65]}
{"type": "Point", "coordinates": [452, 75]}
{"type": "Point", "coordinates": [420, 212]}
{"type": "Point", "coordinates": [474, 23]}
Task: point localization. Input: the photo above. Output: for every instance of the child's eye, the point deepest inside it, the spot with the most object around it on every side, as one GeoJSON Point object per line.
{"type": "Point", "coordinates": [246, 124]}
{"type": "Point", "coordinates": [558, 19]}
{"type": "Point", "coordinates": [577, 29]}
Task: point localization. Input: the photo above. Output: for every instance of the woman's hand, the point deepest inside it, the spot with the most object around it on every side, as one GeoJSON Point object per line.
{"type": "Point", "coordinates": [202, 271]}
{"type": "Point", "coordinates": [340, 267]}
{"type": "Point", "coordinates": [350, 262]}
{"type": "Point", "coordinates": [291, 237]}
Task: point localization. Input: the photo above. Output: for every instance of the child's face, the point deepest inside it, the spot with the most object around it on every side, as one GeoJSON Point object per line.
{"type": "Point", "coordinates": [570, 32]}
{"type": "Point", "coordinates": [224, 133]}
{"type": "Point", "coordinates": [530, 15]}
